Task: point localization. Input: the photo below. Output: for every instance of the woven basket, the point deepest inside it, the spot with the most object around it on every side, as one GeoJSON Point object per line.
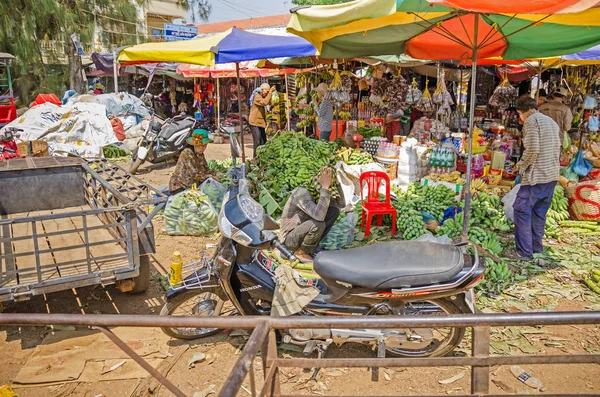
{"type": "Point", "coordinates": [38, 149]}
{"type": "Point", "coordinates": [584, 200]}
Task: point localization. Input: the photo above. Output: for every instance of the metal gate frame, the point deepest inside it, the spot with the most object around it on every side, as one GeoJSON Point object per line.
{"type": "Point", "coordinates": [263, 339]}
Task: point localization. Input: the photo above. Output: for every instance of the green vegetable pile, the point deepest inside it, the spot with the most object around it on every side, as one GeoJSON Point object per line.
{"type": "Point", "coordinates": [593, 282]}
{"type": "Point", "coordinates": [497, 277]}
{"type": "Point", "coordinates": [113, 152]}
{"type": "Point", "coordinates": [369, 132]}
{"type": "Point", "coordinates": [190, 213]}
{"type": "Point", "coordinates": [285, 162]}
{"type": "Point", "coordinates": [220, 165]}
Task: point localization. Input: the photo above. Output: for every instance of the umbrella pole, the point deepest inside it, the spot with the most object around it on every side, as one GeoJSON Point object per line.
{"type": "Point", "coordinates": [239, 92]}
{"type": "Point", "coordinates": [115, 72]}
{"type": "Point", "coordinates": [218, 106]}
{"type": "Point", "coordinates": [287, 103]}
{"type": "Point", "coordinates": [471, 124]}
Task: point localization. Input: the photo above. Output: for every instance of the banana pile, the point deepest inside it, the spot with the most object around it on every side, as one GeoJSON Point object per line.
{"type": "Point", "coordinates": [497, 277]}
{"type": "Point", "coordinates": [453, 177]}
{"type": "Point", "coordinates": [478, 185]}
{"type": "Point", "coordinates": [488, 212]}
{"type": "Point", "coordinates": [353, 156]}
{"type": "Point", "coordinates": [452, 227]}
{"type": "Point", "coordinates": [290, 160]}
{"type": "Point", "coordinates": [593, 282]}
{"type": "Point", "coordinates": [557, 213]}
{"type": "Point", "coordinates": [410, 223]}
{"type": "Point", "coordinates": [485, 238]}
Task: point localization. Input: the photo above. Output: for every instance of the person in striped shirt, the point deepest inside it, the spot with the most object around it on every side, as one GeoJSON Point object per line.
{"type": "Point", "coordinates": [539, 169]}
{"type": "Point", "coordinates": [325, 113]}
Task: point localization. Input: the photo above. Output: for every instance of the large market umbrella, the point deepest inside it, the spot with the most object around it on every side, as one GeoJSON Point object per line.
{"type": "Point", "coordinates": [234, 45]}
{"type": "Point", "coordinates": [465, 30]}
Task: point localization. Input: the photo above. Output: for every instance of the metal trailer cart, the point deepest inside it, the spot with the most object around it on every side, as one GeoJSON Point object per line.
{"type": "Point", "coordinates": [67, 223]}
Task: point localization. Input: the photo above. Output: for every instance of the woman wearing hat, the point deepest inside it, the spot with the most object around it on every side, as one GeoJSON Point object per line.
{"type": "Point", "coordinates": [258, 114]}
{"type": "Point", "coordinates": [325, 113]}
{"type": "Point", "coordinates": [192, 167]}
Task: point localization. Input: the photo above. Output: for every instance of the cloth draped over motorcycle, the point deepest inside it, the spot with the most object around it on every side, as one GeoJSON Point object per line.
{"type": "Point", "coordinates": [192, 168]}
{"type": "Point", "coordinates": [292, 293]}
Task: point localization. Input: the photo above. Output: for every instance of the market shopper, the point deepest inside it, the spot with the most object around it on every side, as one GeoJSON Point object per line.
{"type": "Point", "coordinates": [192, 167]}
{"type": "Point", "coordinates": [304, 223]}
{"type": "Point", "coordinates": [558, 111]}
{"type": "Point", "coordinates": [325, 113]}
{"type": "Point", "coordinates": [258, 114]}
{"type": "Point", "coordinates": [539, 169]}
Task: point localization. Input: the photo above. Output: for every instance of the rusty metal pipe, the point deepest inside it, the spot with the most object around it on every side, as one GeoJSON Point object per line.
{"type": "Point", "coordinates": [321, 322]}
{"type": "Point", "coordinates": [143, 363]}
{"type": "Point", "coordinates": [436, 361]}
{"type": "Point", "coordinates": [242, 366]}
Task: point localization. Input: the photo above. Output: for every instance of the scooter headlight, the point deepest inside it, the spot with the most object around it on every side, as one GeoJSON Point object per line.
{"type": "Point", "coordinates": [253, 210]}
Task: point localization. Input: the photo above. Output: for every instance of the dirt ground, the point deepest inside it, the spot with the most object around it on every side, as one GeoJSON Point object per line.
{"type": "Point", "coordinates": [19, 344]}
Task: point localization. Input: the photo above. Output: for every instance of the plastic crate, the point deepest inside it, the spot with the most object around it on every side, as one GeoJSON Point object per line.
{"type": "Point", "coordinates": [8, 111]}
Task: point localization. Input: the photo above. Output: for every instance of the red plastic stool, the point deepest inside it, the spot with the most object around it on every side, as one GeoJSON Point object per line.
{"type": "Point", "coordinates": [372, 206]}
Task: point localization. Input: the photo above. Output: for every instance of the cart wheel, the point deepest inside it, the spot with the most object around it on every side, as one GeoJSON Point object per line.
{"type": "Point", "coordinates": [142, 282]}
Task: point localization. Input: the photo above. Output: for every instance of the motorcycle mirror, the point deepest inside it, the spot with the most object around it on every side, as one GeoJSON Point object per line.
{"type": "Point", "coordinates": [236, 150]}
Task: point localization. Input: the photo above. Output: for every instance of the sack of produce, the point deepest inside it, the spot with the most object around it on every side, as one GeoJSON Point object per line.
{"type": "Point", "coordinates": [341, 234]}
{"type": "Point", "coordinates": [215, 191]}
{"type": "Point", "coordinates": [414, 93]}
{"type": "Point", "coordinates": [503, 95]}
{"type": "Point", "coordinates": [190, 213]}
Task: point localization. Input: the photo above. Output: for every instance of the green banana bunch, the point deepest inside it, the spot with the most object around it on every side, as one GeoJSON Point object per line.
{"type": "Point", "coordinates": [498, 277]}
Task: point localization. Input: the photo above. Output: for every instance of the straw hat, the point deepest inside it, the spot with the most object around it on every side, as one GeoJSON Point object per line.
{"type": "Point", "coordinates": [199, 138]}
{"type": "Point", "coordinates": [322, 88]}
{"type": "Point", "coordinates": [561, 92]}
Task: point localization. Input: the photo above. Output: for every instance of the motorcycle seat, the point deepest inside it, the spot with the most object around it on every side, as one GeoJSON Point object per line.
{"type": "Point", "coordinates": [170, 129]}
{"type": "Point", "coordinates": [391, 265]}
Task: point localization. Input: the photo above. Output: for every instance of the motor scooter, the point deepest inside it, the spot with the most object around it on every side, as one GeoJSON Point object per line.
{"type": "Point", "coordinates": [402, 278]}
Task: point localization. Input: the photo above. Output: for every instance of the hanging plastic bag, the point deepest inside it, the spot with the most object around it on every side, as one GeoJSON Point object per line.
{"type": "Point", "coordinates": [566, 143]}
{"type": "Point", "coordinates": [190, 213]}
{"type": "Point", "coordinates": [580, 165]}
{"type": "Point", "coordinates": [508, 200]}
{"type": "Point", "coordinates": [215, 191]}
{"type": "Point", "coordinates": [341, 234]}
{"type": "Point", "coordinates": [589, 102]}
{"type": "Point", "coordinates": [275, 98]}
{"type": "Point", "coordinates": [593, 124]}
{"type": "Point", "coordinates": [568, 173]}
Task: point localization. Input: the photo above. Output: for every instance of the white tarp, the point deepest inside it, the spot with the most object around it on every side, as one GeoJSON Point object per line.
{"type": "Point", "coordinates": [80, 128]}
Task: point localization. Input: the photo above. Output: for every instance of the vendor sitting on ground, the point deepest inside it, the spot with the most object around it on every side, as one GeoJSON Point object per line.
{"type": "Point", "coordinates": [192, 167]}
{"type": "Point", "coordinates": [304, 223]}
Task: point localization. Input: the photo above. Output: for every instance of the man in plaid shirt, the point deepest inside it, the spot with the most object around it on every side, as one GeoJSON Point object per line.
{"type": "Point", "coordinates": [539, 169]}
{"type": "Point", "coordinates": [303, 222]}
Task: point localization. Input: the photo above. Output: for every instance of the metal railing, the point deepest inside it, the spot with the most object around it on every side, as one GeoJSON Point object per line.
{"type": "Point", "coordinates": [263, 339]}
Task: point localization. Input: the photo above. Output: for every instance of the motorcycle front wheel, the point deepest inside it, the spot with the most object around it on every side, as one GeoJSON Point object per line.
{"type": "Point", "coordinates": [196, 303]}
{"type": "Point", "coordinates": [444, 339]}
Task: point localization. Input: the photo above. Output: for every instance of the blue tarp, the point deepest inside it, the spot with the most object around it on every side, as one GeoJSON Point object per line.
{"type": "Point", "coordinates": [591, 54]}
{"type": "Point", "coordinates": [240, 46]}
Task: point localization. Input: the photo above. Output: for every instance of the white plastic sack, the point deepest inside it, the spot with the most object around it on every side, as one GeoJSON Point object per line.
{"type": "Point", "coordinates": [190, 213]}
{"type": "Point", "coordinates": [508, 200]}
{"type": "Point", "coordinates": [345, 183]}
{"type": "Point", "coordinates": [37, 120]}
{"type": "Point", "coordinates": [428, 238]}
{"type": "Point", "coordinates": [215, 191]}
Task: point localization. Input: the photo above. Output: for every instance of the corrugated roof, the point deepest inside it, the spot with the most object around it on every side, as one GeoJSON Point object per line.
{"type": "Point", "coordinates": [250, 23]}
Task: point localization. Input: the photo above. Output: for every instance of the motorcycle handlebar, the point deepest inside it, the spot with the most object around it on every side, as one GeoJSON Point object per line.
{"type": "Point", "coordinates": [287, 253]}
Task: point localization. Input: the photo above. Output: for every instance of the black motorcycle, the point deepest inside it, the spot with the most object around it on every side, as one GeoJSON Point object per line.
{"type": "Point", "coordinates": [162, 142]}
{"type": "Point", "coordinates": [404, 278]}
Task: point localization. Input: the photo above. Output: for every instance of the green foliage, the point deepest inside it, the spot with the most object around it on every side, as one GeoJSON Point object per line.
{"type": "Point", "coordinates": [37, 32]}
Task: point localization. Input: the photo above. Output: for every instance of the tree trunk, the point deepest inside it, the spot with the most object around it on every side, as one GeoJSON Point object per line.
{"type": "Point", "coordinates": [76, 81]}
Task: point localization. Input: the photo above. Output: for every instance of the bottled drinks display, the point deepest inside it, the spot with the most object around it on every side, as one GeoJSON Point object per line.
{"type": "Point", "coordinates": [442, 160]}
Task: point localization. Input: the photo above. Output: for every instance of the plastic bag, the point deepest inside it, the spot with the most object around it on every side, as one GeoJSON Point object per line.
{"type": "Point", "coordinates": [589, 102]}
{"type": "Point", "coordinates": [593, 124]}
{"type": "Point", "coordinates": [508, 200]}
{"type": "Point", "coordinates": [580, 165]}
{"type": "Point", "coordinates": [215, 191]}
{"type": "Point", "coordinates": [568, 173]}
{"type": "Point", "coordinates": [275, 98]}
{"type": "Point", "coordinates": [566, 143]}
{"type": "Point", "coordinates": [190, 213]}
{"type": "Point", "coordinates": [341, 234]}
